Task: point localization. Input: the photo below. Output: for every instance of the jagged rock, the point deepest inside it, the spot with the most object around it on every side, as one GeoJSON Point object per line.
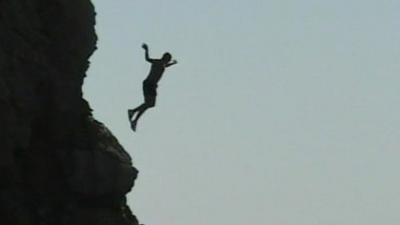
{"type": "Point", "coordinates": [58, 165]}
{"type": "Point", "coordinates": [104, 171]}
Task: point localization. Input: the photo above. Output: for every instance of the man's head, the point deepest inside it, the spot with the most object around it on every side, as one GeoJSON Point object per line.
{"type": "Point", "coordinates": [166, 57]}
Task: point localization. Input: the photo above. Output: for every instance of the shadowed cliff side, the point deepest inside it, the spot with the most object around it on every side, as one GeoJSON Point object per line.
{"type": "Point", "coordinates": [57, 164]}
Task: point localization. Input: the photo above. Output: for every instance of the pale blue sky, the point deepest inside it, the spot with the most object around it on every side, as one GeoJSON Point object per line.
{"type": "Point", "coordinates": [279, 112]}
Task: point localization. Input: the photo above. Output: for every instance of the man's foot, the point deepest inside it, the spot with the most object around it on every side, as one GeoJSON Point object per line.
{"type": "Point", "coordinates": [133, 125]}
{"type": "Point", "coordinates": [130, 114]}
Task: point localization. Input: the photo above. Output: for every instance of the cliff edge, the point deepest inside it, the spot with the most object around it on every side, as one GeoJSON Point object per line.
{"type": "Point", "coordinates": [58, 165]}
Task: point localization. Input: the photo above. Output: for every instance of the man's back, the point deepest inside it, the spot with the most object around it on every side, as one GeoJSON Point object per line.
{"type": "Point", "coordinates": [156, 71]}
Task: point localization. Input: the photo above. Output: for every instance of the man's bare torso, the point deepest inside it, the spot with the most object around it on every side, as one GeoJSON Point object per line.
{"type": "Point", "coordinates": [156, 72]}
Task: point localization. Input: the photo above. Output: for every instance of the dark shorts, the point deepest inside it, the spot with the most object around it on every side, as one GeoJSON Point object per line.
{"type": "Point", "coordinates": [149, 92]}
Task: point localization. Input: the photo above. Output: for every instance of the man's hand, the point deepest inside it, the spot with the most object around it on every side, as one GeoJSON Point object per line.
{"type": "Point", "coordinates": [174, 61]}
{"type": "Point", "coordinates": [145, 47]}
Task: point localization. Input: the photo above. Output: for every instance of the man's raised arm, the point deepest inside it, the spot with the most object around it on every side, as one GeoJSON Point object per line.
{"type": "Point", "coordinates": [146, 53]}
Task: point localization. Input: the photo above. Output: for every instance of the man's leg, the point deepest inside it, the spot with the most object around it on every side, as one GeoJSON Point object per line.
{"type": "Point", "coordinates": [149, 103]}
{"type": "Point", "coordinates": [141, 110]}
{"type": "Point", "coordinates": [132, 112]}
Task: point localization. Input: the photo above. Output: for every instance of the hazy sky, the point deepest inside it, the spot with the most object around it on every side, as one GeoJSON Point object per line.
{"type": "Point", "coordinates": [280, 112]}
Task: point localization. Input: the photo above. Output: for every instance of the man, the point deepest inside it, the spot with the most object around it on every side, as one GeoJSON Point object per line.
{"type": "Point", "coordinates": [150, 84]}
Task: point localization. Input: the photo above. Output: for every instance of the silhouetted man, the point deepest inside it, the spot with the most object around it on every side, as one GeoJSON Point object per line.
{"type": "Point", "coordinates": [150, 84]}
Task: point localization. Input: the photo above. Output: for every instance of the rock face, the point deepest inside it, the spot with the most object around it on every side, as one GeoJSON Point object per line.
{"type": "Point", "coordinates": [58, 165]}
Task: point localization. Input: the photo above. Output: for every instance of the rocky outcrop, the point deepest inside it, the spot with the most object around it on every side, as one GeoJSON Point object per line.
{"type": "Point", "coordinates": [58, 165]}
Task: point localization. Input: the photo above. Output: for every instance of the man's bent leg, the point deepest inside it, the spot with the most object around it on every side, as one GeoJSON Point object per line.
{"type": "Point", "coordinates": [141, 110]}
{"type": "Point", "coordinates": [132, 112]}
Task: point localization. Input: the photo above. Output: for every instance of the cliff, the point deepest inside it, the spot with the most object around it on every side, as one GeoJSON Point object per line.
{"type": "Point", "coordinates": [58, 165]}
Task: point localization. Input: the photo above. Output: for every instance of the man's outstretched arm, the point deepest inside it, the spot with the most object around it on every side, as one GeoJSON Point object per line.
{"type": "Point", "coordinates": [171, 63]}
{"type": "Point", "coordinates": [146, 53]}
